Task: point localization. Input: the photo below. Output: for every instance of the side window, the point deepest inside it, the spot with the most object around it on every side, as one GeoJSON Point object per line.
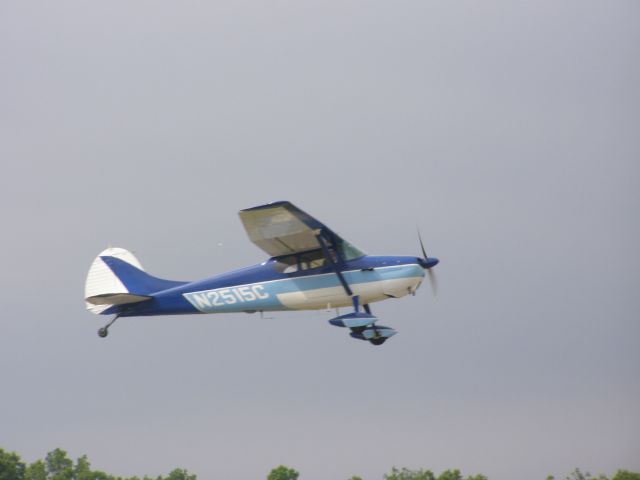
{"type": "Point", "coordinates": [316, 263]}
{"type": "Point", "coordinates": [288, 264]}
{"type": "Point", "coordinates": [290, 268]}
{"type": "Point", "coordinates": [305, 261]}
{"type": "Point", "coordinates": [312, 260]}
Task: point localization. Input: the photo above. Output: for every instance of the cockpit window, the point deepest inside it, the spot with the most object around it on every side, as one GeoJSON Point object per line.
{"type": "Point", "coordinates": [349, 252]}
{"type": "Point", "coordinates": [315, 258]}
{"type": "Point", "coordinates": [311, 260]}
{"type": "Point", "coordinates": [286, 264]}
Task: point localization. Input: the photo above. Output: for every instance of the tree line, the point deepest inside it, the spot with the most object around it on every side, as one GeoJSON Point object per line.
{"type": "Point", "coordinates": [58, 466]}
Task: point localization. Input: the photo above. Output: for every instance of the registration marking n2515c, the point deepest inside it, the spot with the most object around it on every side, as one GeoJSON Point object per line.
{"type": "Point", "coordinates": [227, 296]}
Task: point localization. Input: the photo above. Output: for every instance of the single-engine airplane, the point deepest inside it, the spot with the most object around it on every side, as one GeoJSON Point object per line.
{"type": "Point", "coordinates": [310, 268]}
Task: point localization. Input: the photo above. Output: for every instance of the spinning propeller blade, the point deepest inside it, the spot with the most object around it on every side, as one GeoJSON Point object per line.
{"type": "Point", "coordinates": [428, 263]}
{"type": "Point", "coordinates": [424, 252]}
{"type": "Point", "coordinates": [433, 280]}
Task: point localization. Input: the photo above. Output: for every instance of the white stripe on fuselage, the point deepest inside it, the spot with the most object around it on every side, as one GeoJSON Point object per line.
{"type": "Point", "coordinates": [241, 298]}
{"type": "Point", "coordinates": [368, 292]}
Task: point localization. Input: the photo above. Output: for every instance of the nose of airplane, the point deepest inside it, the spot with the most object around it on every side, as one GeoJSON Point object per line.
{"type": "Point", "coordinates": [427, 263]}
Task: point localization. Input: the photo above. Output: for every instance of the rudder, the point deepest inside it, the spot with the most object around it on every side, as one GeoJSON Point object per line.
{"type": "Point", "coordinates": [116, 277]}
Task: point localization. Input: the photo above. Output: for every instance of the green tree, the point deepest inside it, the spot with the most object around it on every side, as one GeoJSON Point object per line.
{"type": "Point", "coordinates": [36, 471]}
{"type": "Point", "coordinates": [98, 475]}
{"type": "Point", "coordinates": [355, 477]}
{"type": "Point", "coordinates": [59, 466]}
{"type": "Point", "coordinates": [626, 475]}
{"type": "Point", "coordinates": [422, 474]}
{"type": "Point", "coordinates": [450, 475]}
{"type": "Point", "coordinates": [406, 474]}
{"type": "Point", "coordinates": [180, 474]}
{"type": "Point", "coordinates": [11, 467]}
{"type": "Point", "coordinates": [577, 474]}
{"type": "Point", "coordinates": [82, 469]}
{"type": "Point", "coordinates": [283, 473]}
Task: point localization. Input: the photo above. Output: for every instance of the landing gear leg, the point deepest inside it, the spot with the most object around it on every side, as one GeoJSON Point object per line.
{"type": "Point", "coordinates": [104, 331]}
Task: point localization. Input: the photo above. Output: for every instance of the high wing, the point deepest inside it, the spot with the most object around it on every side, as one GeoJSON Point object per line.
{"type": "Point", "coordinates": [281, 228]}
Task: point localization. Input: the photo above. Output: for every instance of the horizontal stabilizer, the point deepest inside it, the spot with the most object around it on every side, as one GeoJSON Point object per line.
{"type": "Point", "coordinates": [116, 299]}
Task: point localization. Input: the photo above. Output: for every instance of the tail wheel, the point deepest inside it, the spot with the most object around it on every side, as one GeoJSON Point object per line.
{"type": "Point", "coordinates": [104, 331]}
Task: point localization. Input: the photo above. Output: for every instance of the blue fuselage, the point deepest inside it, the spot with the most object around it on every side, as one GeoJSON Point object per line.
{"type": "Point", "coordinates": [273, 285]}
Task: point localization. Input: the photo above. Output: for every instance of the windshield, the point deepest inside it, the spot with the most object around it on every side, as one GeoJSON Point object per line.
{"type": "Point", "coordinates": [349, 252]}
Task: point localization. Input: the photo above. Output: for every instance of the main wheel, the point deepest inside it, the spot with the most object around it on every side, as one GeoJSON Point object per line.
{"type": "Point", "coordinates": [103, 332]}
{"type": "Point", "coordinates": [378, 341]}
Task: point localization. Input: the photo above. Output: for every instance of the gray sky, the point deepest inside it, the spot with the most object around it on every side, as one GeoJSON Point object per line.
{"type": "Point", "coordinates": [508, 131]}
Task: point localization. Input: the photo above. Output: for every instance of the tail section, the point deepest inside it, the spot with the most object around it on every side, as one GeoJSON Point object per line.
{"type": "Point", "coordinates": [117, 278]}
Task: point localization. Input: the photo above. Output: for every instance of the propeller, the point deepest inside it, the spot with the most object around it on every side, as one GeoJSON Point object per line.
{"type": "Point", "coordinates": [428, 263]}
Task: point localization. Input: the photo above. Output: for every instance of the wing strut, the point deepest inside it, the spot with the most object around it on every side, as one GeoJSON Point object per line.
{"type": "Point", "coordinates": [334, 266]}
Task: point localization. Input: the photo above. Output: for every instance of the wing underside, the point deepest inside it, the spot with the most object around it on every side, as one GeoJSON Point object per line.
{"type": "Point", "coordinates": [281, 228]}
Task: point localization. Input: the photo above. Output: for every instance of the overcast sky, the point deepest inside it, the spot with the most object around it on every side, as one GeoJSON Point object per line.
{"type": "Point", "coordinates": [507, 131]}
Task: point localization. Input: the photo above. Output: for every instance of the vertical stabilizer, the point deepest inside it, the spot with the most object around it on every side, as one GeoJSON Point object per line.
{"type": "Point", "coordinates": [103, 288]}
{"type": "Point", "coordinates": [117, 278]}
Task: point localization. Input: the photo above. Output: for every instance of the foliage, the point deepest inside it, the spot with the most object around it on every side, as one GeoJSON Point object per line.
{"type": "Point", "coordinates": [626, 475]}
{"type": "Point", "coordinates": [577, 474]}
{"type": "Point", "coordinates": [283, 473]}
{"type": "Point", "coordinates": [58, 466]}
{"type": "Point", "coordinates": [450, 475]}
{"type": "Point", "coordinates": [11, 468]}
{"type": "Point", "coordinates": [407, 474]}
{"type": "Point", "coordinates": [36, 471]}
{"type": "Point", "coordinates": [180, 474]}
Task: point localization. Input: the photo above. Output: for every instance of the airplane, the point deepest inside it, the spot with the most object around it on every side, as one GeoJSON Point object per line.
{"type": "Point", "coordinates": [310, 267]}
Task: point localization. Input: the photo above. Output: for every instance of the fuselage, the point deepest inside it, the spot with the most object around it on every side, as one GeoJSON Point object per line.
{"type": "Point", "coordinates": [274, 285]}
